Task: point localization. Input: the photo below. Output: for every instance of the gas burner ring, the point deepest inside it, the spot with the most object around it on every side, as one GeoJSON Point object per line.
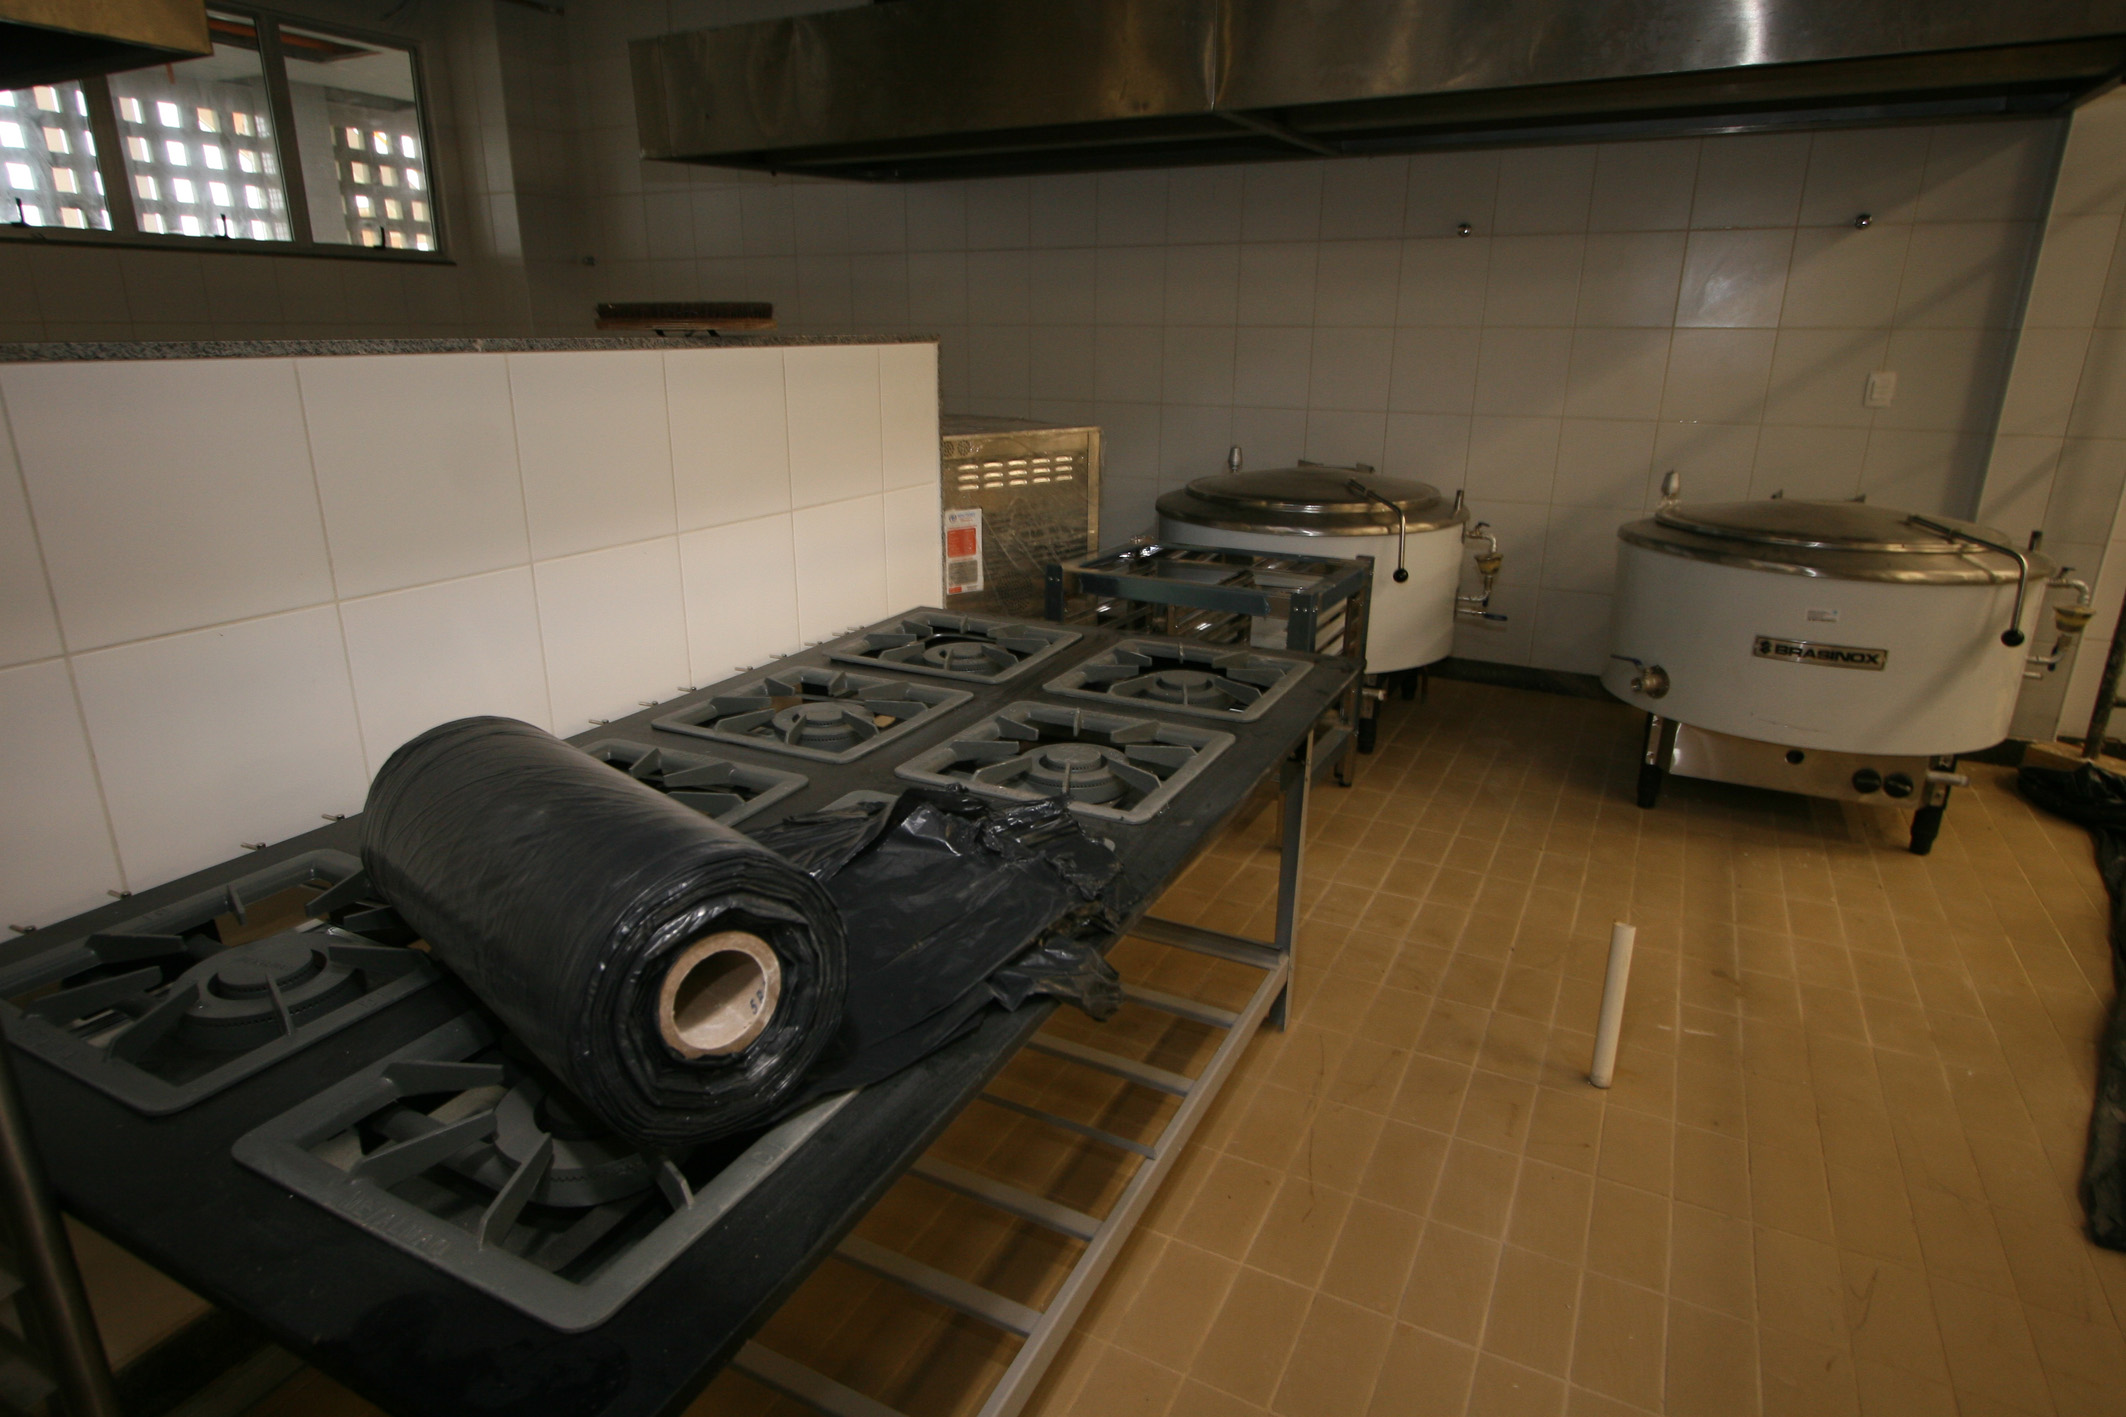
{"type": "Point", "coordinates": [1184, 686]}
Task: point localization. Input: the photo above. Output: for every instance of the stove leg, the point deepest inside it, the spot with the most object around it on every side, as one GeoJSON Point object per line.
{"type": "Point", "coordinates": [1926, 825]}
{"type": "Point", "coordinates": [1291, 872]}
{"type": "Point", "coordinates": [58, 1302]}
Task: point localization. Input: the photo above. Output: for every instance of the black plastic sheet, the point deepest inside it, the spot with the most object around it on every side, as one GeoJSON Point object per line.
{"type": "Point", "coordinates": [952, 904]}
{"type": "Point", "coordinates": [2097, 800]}
{"type": "Point", "coordinates": [560, 891]}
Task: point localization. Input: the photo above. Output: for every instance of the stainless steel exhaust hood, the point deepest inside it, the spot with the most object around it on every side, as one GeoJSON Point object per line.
{"type": "Point", "coordinates": [47, 41]}
{"type": "Point", "coordinates": [955, 88]}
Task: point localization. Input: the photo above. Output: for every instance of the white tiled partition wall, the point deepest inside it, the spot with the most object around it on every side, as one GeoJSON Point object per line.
{"type": "Point", "coordinates": [2058, 461]}
{"type": "Point", "coordinates": [230, 587]}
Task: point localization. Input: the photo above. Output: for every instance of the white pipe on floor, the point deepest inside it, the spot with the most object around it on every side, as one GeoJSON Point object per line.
{"type": "Point", "coordinates": [1605, 1050]}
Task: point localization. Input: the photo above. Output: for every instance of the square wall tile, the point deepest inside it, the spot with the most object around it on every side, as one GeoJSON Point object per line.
{"type": "Point", "coordinates": [55, 850]}
{"type": "Point", "coordinates": [835, 446]}
{"type": "Point", "coordinates": [1821, 376]}
{"type": "Point", "coordinates": [1443, 281]}
{"type": "Point", "coordinates": [2071, 268]}
{"type": "Point", "coordinates": [1631, 279]}
{"type": "Point", "coordinates": [1750, 181]}
{"type": "Point", "coordinates": [730, 434]}
{"type": "Point", "coordinates": [1430, 447]}
{"type": "Point", "coordinates": [1448, 188]}
{"type": "Point", "coordinates": [170, 494]}
{"type": "Point", "coordinates": [1544, 189]}
{"type": "Point", "coordinates": [1572, 631]}
{"type": "Point", "coordinates": [1718, 376]}
{"type": "Point", "coordinates": [1533, 280]}
{"type": "Point", "coordinates": [1434, 370]}
{"type": "Point", "coordinates": [28, 628]}
{"type": "Point", "coordinates": [207, 740]}
{"type": "Point", "coordinates": [1603, 462]}
{"type": "Point", "coordinates": [613, 624]}
{"type": "Point", "coordinates": [595, 447]}
{"type": "Point", "coordinates": [915, 553]}
{"type": "Point", "coordinates": [740, 584]}
{"type": "Point", "coordinates": [1644, 186]}
{"type": "Point", "coordinates": [1844, 279]}
{"type": "Point", "coordinates": [1713, 459]}
{"type": "Point", "coordinates": [439, 652]}
{"type": "Point", "coordinates": [1964, 275]}
{"type": "Point", "coordinates": [1816, 464]}
{"type": "Point", "coordinates": [1617, 373]}
{"type": "Point", "coordinates": [2042, 382]}
{"type": "Point", "coordinates": [1513, 459]}
{"type": "Point", "coordinates": [1734, 279]}
{"type": "Point", "coordinates": [416, 458]}
{"type": "Point", "coordinates": [841, 566]}
{"type": "Point", "coordinates": [908, 414]}
{"type": "Point", "coordinates": [1872, 170]}
{"type": "Point", "coordinates": [1580, 548]}
{"type": "Point", "coordinates": [1936, 471]}
{"type": "Point", "coordinates": [1350, 369]}
{"type": "Point", "coordinates": [2019, 480]}
{"type": "Point", "coordinates": [1523, 371]}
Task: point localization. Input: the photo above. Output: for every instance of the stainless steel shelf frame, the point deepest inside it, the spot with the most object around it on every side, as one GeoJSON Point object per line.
{"type": "Point", "coordinates": [1044, 1330]}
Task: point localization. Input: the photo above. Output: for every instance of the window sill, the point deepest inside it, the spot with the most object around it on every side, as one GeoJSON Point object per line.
{"type": "Point", "coordinates": [213, 245]}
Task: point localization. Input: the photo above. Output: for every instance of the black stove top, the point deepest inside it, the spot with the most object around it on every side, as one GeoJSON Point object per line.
{"type": "Point", "coordinates": [409, 1226]}
{"type": "Point", "coordinates": [1212, 681]}
{"type": "Point", "coordinates": [814, 711]}
{"type": "Point", "coordinates": [971, 648]}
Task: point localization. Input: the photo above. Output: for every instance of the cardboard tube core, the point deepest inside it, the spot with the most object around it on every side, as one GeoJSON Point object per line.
{"type": "Point", "coordinates": [719, 995]}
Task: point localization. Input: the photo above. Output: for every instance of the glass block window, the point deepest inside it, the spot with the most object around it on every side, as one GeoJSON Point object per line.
{"type": "Point", "coordinates": [186, 125]}
{"type": "Point", "coordinates": [48, 172]}
{"type": "Point", "coordinates": [299, 136]}
{"type": "Point", "coordinates": [356, 109]}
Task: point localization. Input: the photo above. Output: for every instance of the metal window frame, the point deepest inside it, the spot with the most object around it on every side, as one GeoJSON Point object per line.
{"type": "Point", "coordinates": [118, 194]}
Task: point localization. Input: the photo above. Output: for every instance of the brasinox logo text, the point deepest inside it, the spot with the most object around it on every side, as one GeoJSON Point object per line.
{"type": "Point", "coordinates": [1810, 652]}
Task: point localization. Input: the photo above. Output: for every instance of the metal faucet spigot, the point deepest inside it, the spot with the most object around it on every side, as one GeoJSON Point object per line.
{"type": "Point", "coordinates": [1488, 563]}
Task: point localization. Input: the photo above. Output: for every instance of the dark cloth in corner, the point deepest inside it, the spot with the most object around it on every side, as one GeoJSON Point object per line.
{"type": "Point", "coordinates": [953, 905]}
{"type": "Point", "coordinates": [2097, 800]}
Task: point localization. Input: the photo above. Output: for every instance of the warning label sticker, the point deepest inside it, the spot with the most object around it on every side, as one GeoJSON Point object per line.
{"type": "Point", "coordinates": [963, 550]}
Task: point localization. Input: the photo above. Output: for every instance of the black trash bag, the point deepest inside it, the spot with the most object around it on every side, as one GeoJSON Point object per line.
{"type": "Point", "coordinates": [939, 891]}
{"type": "Point", "coordinates": [2097, 799]}
{"type": "Point", "coordinates": [560, 892]}
{"type": "Point", "coordinates": [1066, 965]}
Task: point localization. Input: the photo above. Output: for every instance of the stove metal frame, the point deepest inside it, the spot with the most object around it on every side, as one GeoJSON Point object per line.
{"type": "Point", "coordinates": [624, 753]}
{"type": "Point", "coordinates": [838, 651]}
{"type": "Point", "coordinates": [1207, 744]}
{"type": "Point", "coordinates": [1072, 682]}
{"type": "Point", "coordinates": [281, 1150]}
{"type": "Point", "coordinates": [941, 701]}
{"type": "Point", "coordinates": [1044, 1330]}
{"type": "Point", "coordinates": [148, 1094]}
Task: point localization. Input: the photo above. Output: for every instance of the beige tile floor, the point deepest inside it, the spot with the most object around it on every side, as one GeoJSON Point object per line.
{"type": "Point", "coordinates": [1835, 1176]}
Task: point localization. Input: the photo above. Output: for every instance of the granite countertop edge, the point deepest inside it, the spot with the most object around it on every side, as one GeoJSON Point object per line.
{"type": "Point", "coordinates": [64, 351]}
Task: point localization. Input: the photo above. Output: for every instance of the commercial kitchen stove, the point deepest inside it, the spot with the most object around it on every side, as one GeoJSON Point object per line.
{"type": "Point", "coordinates": [249, 1079]}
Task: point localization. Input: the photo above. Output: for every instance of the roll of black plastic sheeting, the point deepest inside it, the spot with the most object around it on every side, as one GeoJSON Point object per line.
{"type": "Point", "coordinates": [569, 898]}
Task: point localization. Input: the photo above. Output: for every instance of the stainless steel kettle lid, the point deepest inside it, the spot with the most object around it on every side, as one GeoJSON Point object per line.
{"type": "Point", "coordinates": [1313, 487]}
{"type": "Point", "coordinates": [1837, 540]}
{"type": "Point", "coordinates": [1823, 526]}
{"type": "Point", "coordinates": [1313, 499]}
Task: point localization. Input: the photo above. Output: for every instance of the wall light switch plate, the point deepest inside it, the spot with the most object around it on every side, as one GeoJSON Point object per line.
{"type": "Point", "coordinates": [1882, 388]}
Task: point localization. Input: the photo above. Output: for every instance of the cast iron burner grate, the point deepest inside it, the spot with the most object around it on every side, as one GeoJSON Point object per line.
{"type": "Point", "coordinates": [715, 787]}
{"type": "Point", "coordinates": [815, 712]}
{"type": "Point", "coordinates": [1105, 764]}
{"type": "Point", "coordinates": [974, 648]}
{"type": "Point", "coordinates": [463, 1154]}
{"type": "Point", "coordinates": [1209, 680]}
{"type": "Point", "coordinates": [173, 1006]}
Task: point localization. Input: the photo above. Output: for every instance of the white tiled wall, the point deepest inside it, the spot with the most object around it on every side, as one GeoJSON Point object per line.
{"type": "Point", "coordinates": [1617, 310]}
{"type": "Point", "coordinates": [229, 588]}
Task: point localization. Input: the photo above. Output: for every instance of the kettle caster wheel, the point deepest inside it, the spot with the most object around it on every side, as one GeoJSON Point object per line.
{"type": "Point", "coordinates": [1926, 825]}
{"type": "Point", "coordinates": [1650, 778]}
